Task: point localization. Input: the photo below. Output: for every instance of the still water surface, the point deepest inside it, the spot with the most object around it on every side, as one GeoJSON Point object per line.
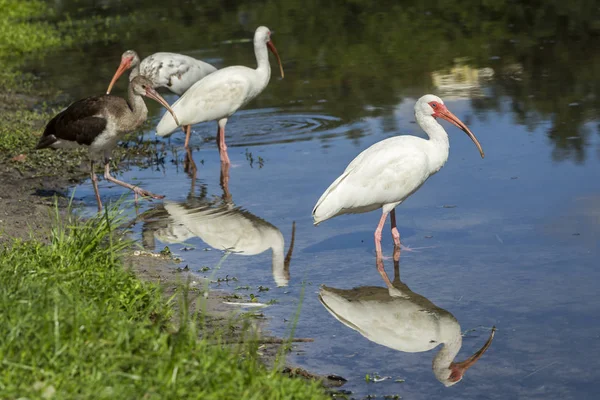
{"type": "Point", "coordinates": [511, 240]}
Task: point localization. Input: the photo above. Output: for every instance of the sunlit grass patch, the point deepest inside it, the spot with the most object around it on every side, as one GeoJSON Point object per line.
{"type": "Point", "coordinates": [77, 324]}
{"type": "Point", "coordinates": [22, 32]}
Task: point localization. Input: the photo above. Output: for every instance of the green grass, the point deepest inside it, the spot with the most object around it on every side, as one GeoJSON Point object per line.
{"type": "Point", "coordinates": [20, 130]}
{"type": "Point", "coordinates": [77, 324]}
{"type": "Point", "coordinates": [21, 31]}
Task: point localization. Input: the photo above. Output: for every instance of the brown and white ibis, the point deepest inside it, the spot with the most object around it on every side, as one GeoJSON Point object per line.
{"type": "Point", "coordinates": [98, 122]}
{"type": "Point", "coordinates": [222, 93]}
{"type": "Point", "coordinates": [388, 172]}
{"type": "Point", "coordinates": [175, 72]}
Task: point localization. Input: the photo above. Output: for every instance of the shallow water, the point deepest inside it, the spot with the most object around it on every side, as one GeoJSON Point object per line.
{"type": "Point", "coordinates": [509, 241]}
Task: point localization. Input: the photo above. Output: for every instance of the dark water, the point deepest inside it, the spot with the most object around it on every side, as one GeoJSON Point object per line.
{"type": "Point", "coordinates": [511, 240]}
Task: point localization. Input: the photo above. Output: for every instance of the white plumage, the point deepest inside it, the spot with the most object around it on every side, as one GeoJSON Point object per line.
{"type": "Point", "coordinates": [222, 93]}
{"type": "Point", "coordinates": [176, 72]}
{"type": "Point", "coordinates": [385, 174]}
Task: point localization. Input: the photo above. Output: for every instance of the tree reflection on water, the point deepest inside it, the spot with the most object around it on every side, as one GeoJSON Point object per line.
{"type": "Point", "coordinates": [544, 55]}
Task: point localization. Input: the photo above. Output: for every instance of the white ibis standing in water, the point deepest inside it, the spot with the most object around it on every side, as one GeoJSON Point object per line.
{"type": "Point", "coordinates": [385, 174]}
{"type": "Point", "coordinates": [176, 72]}
{"type": "Point", "coordinates": [223, 92]}
{"type": "Point", "coordinates": [398, 318]}
{"type": "Point", "coordinates": [98, 123]}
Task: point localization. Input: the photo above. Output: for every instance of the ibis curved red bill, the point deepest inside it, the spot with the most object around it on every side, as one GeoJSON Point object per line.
{"type": "Point", "coordinates": [153, 94]}
{"type": "Point", "coordinates": [271, 47]}
{"type": "Point", "coordinates": [124, 66]}
{"type": "Point", "coordinates": [453, 119]}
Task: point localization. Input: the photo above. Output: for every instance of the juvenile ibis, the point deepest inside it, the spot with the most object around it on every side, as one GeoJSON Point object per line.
{"type": "Point", "coordinates": [98, 122]}
{"type": "Point", "coordinates": [385, 174]}
{"type": "Point", "coordinates": [222, 93]}
{"type": "Point", "coordinates": [176, 72]}
{"type": "Point", "coordinates": [398, 318]}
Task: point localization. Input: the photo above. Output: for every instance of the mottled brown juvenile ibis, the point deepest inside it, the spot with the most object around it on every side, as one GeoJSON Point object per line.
{"type": "Point", "coordinates": [222, 93]}
{"type": "Point", "coordinates": [176, 72]}
{"type": "Point", "coordinates": [98, 122]}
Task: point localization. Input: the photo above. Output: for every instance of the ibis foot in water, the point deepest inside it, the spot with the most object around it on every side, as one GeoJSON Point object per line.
{"type": "Point", "coordinates": [393, 290]}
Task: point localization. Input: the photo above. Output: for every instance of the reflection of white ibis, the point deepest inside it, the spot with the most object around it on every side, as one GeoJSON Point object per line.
{"type": "Point", "coordinates": [176, 72]}
{"type": "Point", "coordinates": [98, 123]}
{"type": "Point", "coordinates": [222, 226]}
{"type": "Point", "coordinates": [398, 318]}
{"type": "Point", "coordinates": [389, 171]}
{"type": "Point", "coordinates": [222, 93]}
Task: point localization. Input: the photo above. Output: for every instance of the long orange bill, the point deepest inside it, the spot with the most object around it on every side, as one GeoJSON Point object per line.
{"type": "Point", "coordinates": [153, 94]}
{"type": "Point", "coordinates": [469, 362]}
{"type": "Point", "coordinates": [453, 119]}
{"type": "Point", "coordinates": [124, 66]}
{"type": "Point", "coordinates": [271, 47]}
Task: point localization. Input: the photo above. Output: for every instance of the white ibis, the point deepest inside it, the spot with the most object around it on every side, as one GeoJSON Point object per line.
{"type": "Point", "coordinates": [222, 93]}
{"type": "Point", "coordinates": [385, 174]}
{"type": "Point", "coordinates": [398, 318]}
{"type": "Point", "coordinates": [222, 226]}
{"type": "Point", "coordinates": [98, 123]}
{"type": "Point", "coordinates": [176, 72]}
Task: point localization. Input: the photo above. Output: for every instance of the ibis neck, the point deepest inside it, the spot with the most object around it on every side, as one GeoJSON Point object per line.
{"type": "Point", "coordinates": [262, 59]}
{"type": "Point", "coordinates": [135, 71]}
{"type": "Point", "coordinates": [138, 114]}
{"type": "Point", "coordinates": [438, 140]}
{"type": "Point", "coordinates": [445, 357]}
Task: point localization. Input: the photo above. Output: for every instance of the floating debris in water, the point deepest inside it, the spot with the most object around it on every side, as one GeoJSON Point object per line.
{"type": "Point", "coordinates": [233, 303]}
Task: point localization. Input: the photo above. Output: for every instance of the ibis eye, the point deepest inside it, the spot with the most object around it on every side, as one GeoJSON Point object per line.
{"type": "Point", "coordinates": [434, 105]}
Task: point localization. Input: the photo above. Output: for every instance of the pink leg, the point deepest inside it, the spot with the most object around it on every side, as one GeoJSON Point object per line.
{"type": "Point", "coordinates": [136, 190]}
{"type": "Point", "coordinates": [395, 233]}
{"type": "Point", "coordinates": [188, 132]}
{"type": "Point", "coordinates": [95, 183]}
{"type": "Point", "coordinates": [221, 141]}
{"type": "Point", "coordinates": [378, 234]}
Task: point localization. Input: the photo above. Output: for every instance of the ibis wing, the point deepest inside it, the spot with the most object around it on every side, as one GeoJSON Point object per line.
{"type": "Point", "coordinates": [385, 173]}
{"type": "Point", "coordinates": [79, 123]}
{"type": "Point", "coordinates": [177, 72]}
{"type": "Point", "coordinates": [217, 96]}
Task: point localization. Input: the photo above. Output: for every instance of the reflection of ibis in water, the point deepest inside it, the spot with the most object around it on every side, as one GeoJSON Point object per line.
{"type": "Point", "coordinates": [222, 226]}
{"type": "Point", "coordinates": [400, 319]}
